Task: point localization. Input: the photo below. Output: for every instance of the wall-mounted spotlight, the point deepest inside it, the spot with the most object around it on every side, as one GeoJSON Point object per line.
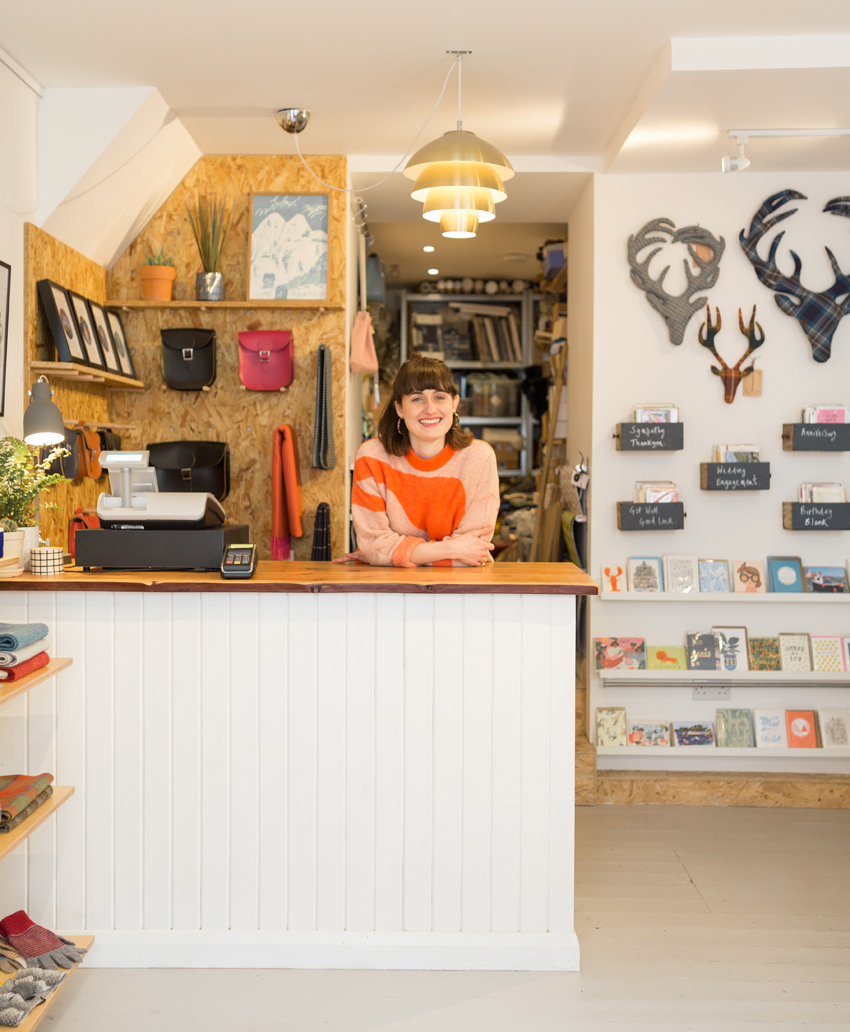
{"type": "Point", "coordinates": [736, 163]}
{"type": "Point", "coordinates": [739, 162]}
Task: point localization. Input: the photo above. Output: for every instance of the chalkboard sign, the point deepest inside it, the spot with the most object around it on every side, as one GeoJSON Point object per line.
{"type": "Point", "coordinates": [816, 515]}
{"type": "Point", "coordinates": [651, 516]}
{"type": "Point", "coordinates": [816, 437]}
{"type": "Point", "coordinates": [650, 436]}
{"type": "Point", "coordinates": [734, 476]}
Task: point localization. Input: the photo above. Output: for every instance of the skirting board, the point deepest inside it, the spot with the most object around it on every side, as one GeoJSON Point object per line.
{"type": "Point", "coordinates": [400, 951]}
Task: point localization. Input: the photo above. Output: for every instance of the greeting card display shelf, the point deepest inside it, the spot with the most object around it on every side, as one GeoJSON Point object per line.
{"type": "Point", "coordinates": [724, 596]}
{"type": "Point", "coordinates": [85, 374]}
{"type": "Point", "coordinates": [15, 688]}
{"type": "Point", "coordinates": [816, 515]}
{"type": "Point", "coordinates": [697, 752]}
{"type": "Point", "coordinates": [127, 306]}
{"type": "Point", "coordinates": [12, 839]}
{"type": "Point", "coordinates": [39, 1013]}
{"type": "Point", "coordinates": [615, 678]}
{"type": "Point", "coordinates": [651, 515]}
{"type": "Point", "coordinates": [816, 437]}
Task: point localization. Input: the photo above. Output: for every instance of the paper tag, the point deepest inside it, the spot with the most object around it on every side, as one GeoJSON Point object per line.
{"type": "Point", "coordinates": [752, 384]}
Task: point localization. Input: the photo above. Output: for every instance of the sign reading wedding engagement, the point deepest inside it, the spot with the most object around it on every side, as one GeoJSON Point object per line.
{"type": "Point", "coordinates": [289, 247]}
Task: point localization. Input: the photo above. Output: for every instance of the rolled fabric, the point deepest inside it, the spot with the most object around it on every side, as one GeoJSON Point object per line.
{"type": "Point", "coordinates": [27, 810]}
{"type": "Point", "coordinates": [14, 636]}
{"type": "Point", "coordinates": [15, 673]}
{"type": "Point", "coordinates": [17, 791]}
{"type": "Point", "coordinates": [10, 659]}
{"type": "Point", "coordinates": [286, 492]}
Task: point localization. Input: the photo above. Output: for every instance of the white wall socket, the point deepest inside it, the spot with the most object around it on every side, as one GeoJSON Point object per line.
{"type": "Point", "coordinates": [717, 692]}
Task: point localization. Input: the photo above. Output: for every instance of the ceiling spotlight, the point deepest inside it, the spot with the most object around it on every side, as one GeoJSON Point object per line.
{"type": "Point", "coordinates": [292, 120]}
{"type": "Point", "coordinates": [433, 272]}
{"type": "Point", "coordinates": [739, 163]}
{"type": "Point", "coordinates": [428, 249]}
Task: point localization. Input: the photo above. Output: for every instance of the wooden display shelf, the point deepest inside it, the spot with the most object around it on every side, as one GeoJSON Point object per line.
{"type": "Point", "coordinates": [734, 678]}
{"type": "Point", "coordinates": [10, 841]}
{"type": "Point", "coordinates": [651, 515]}
{"type": "Point", "coordinates": [128, 306]}
{"type": "Point", "coordinates": [692, 752]}
{"type": "Point", "coordinates": [734, 476]}
{"type": "Point", "coordinates": [816, 515]}
{"type": "Point", "coordinates": [39, 1013]}
{"type": "Point", "coordinates": [724, 596]}
{"type": "Point", "coordinates": [15, 688]}
{"type": "Point", "coordinates": [84, 374]}
{"type": "Point", "coordinates": [650, 437]}
{"type": "Point", "coordinates": [834, 437]}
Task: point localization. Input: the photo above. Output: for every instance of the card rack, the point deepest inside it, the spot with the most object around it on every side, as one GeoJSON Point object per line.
{"type": "Point", "coordinates": [649, 437]}
{"type": "Point", "coordinates": [651, 515]}
{"type": "Point", "coordinates": [832, 437]}
{"type": "Point", "coordinates": [734, 476]}
{"type": "Point", "coordinates": [816, 515]}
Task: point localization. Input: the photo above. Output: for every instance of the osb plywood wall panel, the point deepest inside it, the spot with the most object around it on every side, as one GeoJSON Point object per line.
{"type": "Point", "coordinates": [245, 419]}
{"type": "Point", "coordinates": [45, 257]}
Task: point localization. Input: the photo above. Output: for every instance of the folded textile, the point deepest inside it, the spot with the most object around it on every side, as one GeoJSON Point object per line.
{"type": "Point", "coordinates": [42, 797]}
{"type": "Point", "coordinates": [286, 492]}
{"type": "Point", "coordinates": [14, 636]}
{"type": "Point", "coordinates": [15, 673]}
{"type": "Point", "coordinates": [8, 659]}
{"type": "Point", "coordinates": [10, 960]}
{"type": "Point", "coordinates": [17, 791]}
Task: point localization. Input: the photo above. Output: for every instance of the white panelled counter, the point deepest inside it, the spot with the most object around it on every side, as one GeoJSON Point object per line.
{"type": "Point", "coordinates": [324, 766]}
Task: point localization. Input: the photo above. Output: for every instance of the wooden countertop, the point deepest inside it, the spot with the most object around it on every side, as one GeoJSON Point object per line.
{"type": "Point", "coordinates": [492, 579]}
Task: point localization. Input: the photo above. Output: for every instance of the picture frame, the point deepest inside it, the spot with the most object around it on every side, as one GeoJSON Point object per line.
{"type": "Point", "coordinates": [119, 340]}
{"type": "Point", "coordinates": [714, 575]}
{"type": "Point", "coordinates": [104, 337]}
{"type": "Point", "coordinates": [681, 574]}
{"type": "Point", "coordinates": [5, 297]}
{"type": "Point", "coordinates": [288, 247]}
{"type": "Point", "coordinates": [60, 319]}
{"type": "Point", "coordinates": [748, 576]}
{"type": "Point", "coordinates": [645, 573]}
{"type": "Point", "coordinates": [733, 647]}
{"type": "Point", "coordinates": [785, 574]}
{"type": "Point", "coordinates": [86, 330]}
{"type": "Point", "coordinates": [795, 653]}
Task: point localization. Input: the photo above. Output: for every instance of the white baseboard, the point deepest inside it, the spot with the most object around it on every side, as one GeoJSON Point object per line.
{"type": "Point", "coordinates": [408, 951]}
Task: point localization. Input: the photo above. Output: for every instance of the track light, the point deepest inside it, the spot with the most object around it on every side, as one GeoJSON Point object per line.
{"type": "Point", "coordinates": [739, 163]}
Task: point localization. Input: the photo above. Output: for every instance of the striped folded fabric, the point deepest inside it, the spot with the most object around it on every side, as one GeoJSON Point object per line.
{"type": "Point", "coordinates": [27, 810]}
{"type": "Point", "coordinates": [8, 659]}
{"type": "Point", "coordinates": [15, 673]}
{"type": "Point", "coordinates": [17, 791]}
{"type": "Point", "coordinates": [14, 636]}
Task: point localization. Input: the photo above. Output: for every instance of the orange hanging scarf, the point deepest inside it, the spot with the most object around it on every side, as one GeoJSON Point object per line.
{"type": "Point", "coordinates": [286, 493]}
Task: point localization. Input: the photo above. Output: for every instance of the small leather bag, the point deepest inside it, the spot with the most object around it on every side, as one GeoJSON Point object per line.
{"type": "Point", "coordinates": [66, 465]}
{"type": "Point", "coordinates": [109, 440]}
{"type": "Point", "coordinates": [88, 450]}
{"type": "Point", "coordinates": [266, 360]}
{"type": "Point", "coordinates": [192, 466]}
{"type": "Point", "coordinates": [188, 358]}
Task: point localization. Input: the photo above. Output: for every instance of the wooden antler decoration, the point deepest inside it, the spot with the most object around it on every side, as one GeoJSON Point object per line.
{"type": "Point", "coordinates": [731, 376]}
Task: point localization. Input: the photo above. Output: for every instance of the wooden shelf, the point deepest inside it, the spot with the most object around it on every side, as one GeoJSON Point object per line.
{"type": "Point", "coordinates": [723, 596]}
{"type": "Point", "coordinates": [39, 1013]}
{"type": "Point", "coordinates": [15, 688]}
{"type": "Point", "coordinates": [456, 364]}
{"type": "Point", "coordinates": [12, 839]}
{"type": "Point", "coordinates": [85, 374]}
{"type": "Point", "coordinates": [692, 752]}
{"type": "Point", "coordinates": [735, 678]}
{"type": "Point", "coordinates": [129, 306]}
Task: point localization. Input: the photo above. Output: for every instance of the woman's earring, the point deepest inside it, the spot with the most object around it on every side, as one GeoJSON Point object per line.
{"type": "Point", "coordinates": [456, 422]}
{"type": "Point", "coordinates": [398, 425]}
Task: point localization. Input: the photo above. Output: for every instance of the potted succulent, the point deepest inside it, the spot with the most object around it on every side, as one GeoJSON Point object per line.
{"type": "Point", "coordinates": [210, 225]}
{"type": "Point", "coordinates": [23, 475]}
{"type": "Point", "coordinates": [157, 274]}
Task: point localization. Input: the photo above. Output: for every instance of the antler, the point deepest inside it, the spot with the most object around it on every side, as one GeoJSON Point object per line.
{"type": "Point", "coordinates": [711, 333]}
{"type": "Point", "coordinates": [755, 341]}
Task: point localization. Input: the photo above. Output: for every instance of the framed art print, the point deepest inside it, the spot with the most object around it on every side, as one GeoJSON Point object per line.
{"type": "Point", "coordinates": [5, 293]}
{"type": "Point", "coordinates": [288, 253]}
{"type": "Point", "coordinates": [104, 337]}
{"type": "Point", "coordinates": [748, 576]}
{"type": "Point", "coordinates": [785, 573]}
{"type": "Point", "coordinates": [795, 653]}
{"type": "Point", "coordinates": [122, 348]}
{"type": "Point", "coordinates": [645, 573]}
{"type": "Point", "coordinates": [733, 648]}
{"type": "Point", "coordinates": [714, 575]}
{"type": "Point", "coordinates": [86, 330]}
{"type": "Point", "coordinates": [60, 319]}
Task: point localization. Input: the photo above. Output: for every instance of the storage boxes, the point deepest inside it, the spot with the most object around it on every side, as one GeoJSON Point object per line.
{"type": "Point", "coordinates": [493, 397]}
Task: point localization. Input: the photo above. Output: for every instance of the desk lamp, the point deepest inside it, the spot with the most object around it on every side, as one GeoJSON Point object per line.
{"type": "Point", "coordinates": [43, 425]}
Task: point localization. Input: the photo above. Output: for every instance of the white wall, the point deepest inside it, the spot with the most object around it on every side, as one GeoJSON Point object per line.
{"type": "Point", "coordinates": [18, 150]}
{"type": "Point", "coordinates": [634, 361]}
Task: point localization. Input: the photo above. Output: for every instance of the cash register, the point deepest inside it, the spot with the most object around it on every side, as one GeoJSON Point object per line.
{"type": "Point", "coordinates": [143, 528]}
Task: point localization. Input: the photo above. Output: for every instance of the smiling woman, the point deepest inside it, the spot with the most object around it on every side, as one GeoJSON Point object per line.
{"type": "Point", "coordinates": [426, 492]}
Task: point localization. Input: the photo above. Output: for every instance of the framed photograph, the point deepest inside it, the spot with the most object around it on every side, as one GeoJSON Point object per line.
{"type": "Point", "coordinates": [681, 574]}
{"type": "Point", "coordinates": [748, 576]}
{"type": "Point", "coordinates": [288, 253]}
{"type": "Point", "coordinates": [733, 647]}
{"type": "Point", "coordinates": [645, 573]}
{"type": "Point", "coordinates": [785, 573]}
{"type": "Point", "coordinates": [825, 580]}
{"type": "Point", "coordinates": [714, 575]}
{"type": "Point", "coordinates": [795, 653]}
{"type": "Point", "coordinates": [122, 348]}
{"type": "Point", "coordinates": [86, 330]}
{"type": "Point", "coordinates": [60, 319]}
{"type": "Point", "coordinates": [5, 294]}
{"type": "Point", "coordinates": [104, 337]}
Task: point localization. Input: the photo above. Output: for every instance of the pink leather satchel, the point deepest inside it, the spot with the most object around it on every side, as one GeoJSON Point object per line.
{"type": "Point", "coordinates": [265, 360]}
{"type": "Point", "coordinates": [363, 358]}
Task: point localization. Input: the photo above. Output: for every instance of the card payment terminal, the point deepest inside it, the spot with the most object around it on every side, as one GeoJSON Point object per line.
{"type": "Point", "coordinates": [239, 561]}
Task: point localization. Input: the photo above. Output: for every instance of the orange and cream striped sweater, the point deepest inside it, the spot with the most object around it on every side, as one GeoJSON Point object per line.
{"type": "Point", "coordinates": [399, 502]}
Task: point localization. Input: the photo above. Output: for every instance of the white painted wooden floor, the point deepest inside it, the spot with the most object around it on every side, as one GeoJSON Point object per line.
{"type": "Point", "coordinates": [691, 918]}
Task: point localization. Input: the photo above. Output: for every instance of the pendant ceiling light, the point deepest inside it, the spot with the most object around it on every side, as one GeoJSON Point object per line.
{"type": "Point", "coordinates": [459, 177]}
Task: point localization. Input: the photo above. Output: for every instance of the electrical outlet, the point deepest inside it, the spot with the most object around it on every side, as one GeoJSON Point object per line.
{"type": "Point", "coordinates": [713, 692]}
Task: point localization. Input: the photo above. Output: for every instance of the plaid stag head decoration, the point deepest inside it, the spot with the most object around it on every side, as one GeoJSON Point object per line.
{"type": "Point", "coordinates": [731, 375]}
{"type": "Point", "coordinates": [705, 252]}
{"type": "Point", "coordinates": [818, 314]}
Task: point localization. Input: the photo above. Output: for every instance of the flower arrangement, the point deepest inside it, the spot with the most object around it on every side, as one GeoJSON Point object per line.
{"type": "Point", "coordinates": [22, 477]}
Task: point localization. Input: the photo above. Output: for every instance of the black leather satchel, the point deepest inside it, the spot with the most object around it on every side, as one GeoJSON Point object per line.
{"type": "Point", "coordinates": [202, 466]}
{"type": "Point", "coordinates": [67, 465]}
{"type": "Point", "coordinates": [188, 358]}
{"type": "Point", "coordinates": [109, 440]}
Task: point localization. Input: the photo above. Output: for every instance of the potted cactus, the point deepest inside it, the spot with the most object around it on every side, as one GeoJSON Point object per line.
{"type": "Point", "coordinates": [157, 275]}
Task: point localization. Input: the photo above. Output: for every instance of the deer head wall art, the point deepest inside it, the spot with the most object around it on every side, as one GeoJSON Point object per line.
{"type": "Point", "coordinates": [705, 251]}
{"type": "Point", "coordinates": [731, 375]}
{"type": "Point", "coordinates": [818, 313]}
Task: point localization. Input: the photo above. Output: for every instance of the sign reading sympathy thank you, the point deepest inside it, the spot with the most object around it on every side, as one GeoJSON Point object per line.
{"type": "Point", "coordinates": [650, 437]}
{"type": "Point", "coordinates": [646, 516]}
{"type": "Point", "coordinates": [289, 247]}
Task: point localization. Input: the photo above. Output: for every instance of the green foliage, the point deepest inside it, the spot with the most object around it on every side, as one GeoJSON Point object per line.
{"type": "Point", "coordinates": [22, 477]}
{"type": "Point", "coordinates": [210, 228]}
{"type": "Point", "coordinates": [158, 259]}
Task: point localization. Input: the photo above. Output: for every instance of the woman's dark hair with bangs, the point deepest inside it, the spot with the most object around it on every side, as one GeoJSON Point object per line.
{"type": "Point", "coordinates": [419, 373]}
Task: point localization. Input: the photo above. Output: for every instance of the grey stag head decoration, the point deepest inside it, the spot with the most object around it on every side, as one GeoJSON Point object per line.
{"type": "Point", "coordinates": [818, 314]}
{"type": "Point", "coordinates": [705, 251]}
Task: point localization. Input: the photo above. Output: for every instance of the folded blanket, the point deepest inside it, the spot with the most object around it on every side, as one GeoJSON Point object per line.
{"type": "Point", "coordinates": [27, 810]}
{"type": "Point", "coordinates": [8, 659]}
{"type": "Point", "coordinates": [17, 791]}
{"type": "Point", "coordinates": [15, 673]}
{"type": "Point", "coordinates": [14, 636]}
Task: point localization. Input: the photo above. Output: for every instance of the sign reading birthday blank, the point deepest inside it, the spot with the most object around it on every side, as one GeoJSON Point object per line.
{"type": "Point", "coordinates": [289, 247]}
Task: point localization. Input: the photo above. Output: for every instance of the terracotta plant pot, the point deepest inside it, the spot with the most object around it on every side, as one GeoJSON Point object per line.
{"type": "Point", "coordinates": [157, 281]}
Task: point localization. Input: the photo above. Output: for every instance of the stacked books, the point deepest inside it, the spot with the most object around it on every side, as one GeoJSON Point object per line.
{"type": "Point", "coordinates": [20, 796]}
{"type": "Point", "coordinates": [23, 649]}
{"type": "Point", "coordinates": [829, 492]}
{"type": "Point", "coordinates": [495, 331]}
{"type": "Point", "coordinates": [731, 729]}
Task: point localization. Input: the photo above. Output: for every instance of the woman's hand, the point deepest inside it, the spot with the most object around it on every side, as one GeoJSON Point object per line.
{"type": "Point", "coordinates": [351, 557]}
{"type": "Point", "coordinates": [472, 548]}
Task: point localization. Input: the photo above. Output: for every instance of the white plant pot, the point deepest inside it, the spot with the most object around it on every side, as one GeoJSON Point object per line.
{"type": "Point", "coordinates": [30, 542]}
{"type": "Point", "coordinates": [13, 543]}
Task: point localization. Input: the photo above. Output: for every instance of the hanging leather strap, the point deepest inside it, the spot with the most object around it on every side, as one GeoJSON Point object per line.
{"type": "Point", "coordinates": [324, 455]}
